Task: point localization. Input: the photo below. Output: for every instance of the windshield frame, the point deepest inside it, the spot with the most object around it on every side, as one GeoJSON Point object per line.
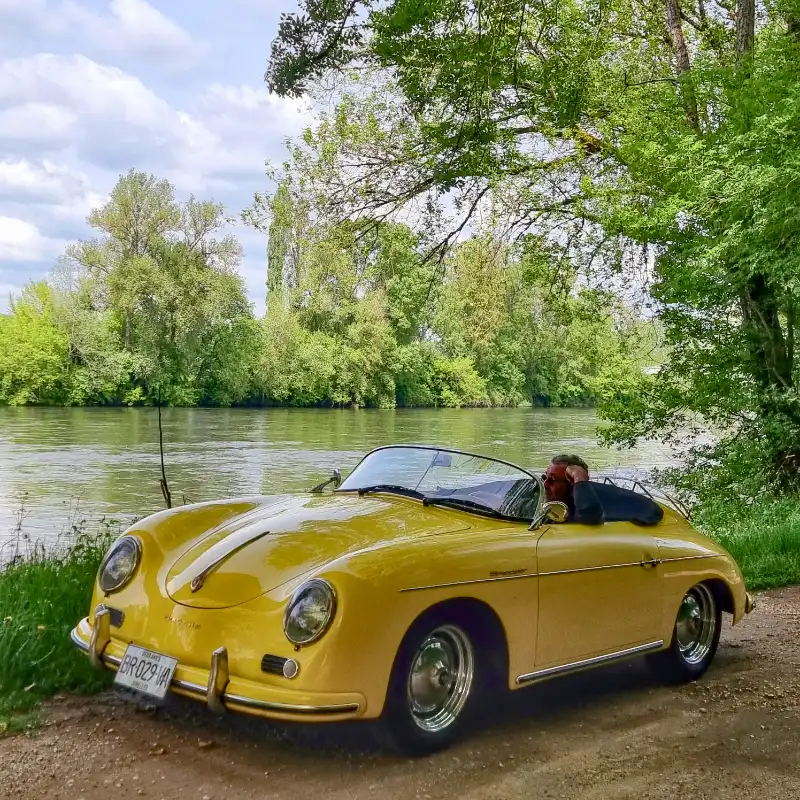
{"type": "Point", "coordinates": [432, 501]}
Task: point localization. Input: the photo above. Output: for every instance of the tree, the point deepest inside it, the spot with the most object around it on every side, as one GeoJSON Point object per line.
{"type": "Point", "coordinates": [611, 129]}
{"type": "Point", "coordinates": [168, 277]}
{"type": "Point", "coordinates": [34, 354]}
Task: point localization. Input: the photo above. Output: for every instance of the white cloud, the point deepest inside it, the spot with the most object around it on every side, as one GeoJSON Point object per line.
{"type": "Point", "coordinates": [232, 108]}
{"type": "Point", "coordinates": [80, 85]}
{"type": "Point", "coordinates": [114, 119]}
{"type": "Point", "coordinates": [22, 241]}
{"type": "Point", "coordinates": [37, 123]}
{"type": "Point", "coordinates": [85, 95]}
{"type": "Point", "coordinates": [132, 28]}
{"type": "Point", "coordinates": [111, 118]}
{"type": "Point", "coordinates": [44, 181]}
{"type": "Point", "coordinates": [68, 192]}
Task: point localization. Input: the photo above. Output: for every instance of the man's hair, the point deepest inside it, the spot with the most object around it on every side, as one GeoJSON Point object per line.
{"type": "Point", "coordinates": [575, 461]}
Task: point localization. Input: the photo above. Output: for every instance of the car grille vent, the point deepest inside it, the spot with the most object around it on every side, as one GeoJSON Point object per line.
{"type": "Point", "coordinates": [116, 617]}
{"type": "Point", "coordinates": [273, 664]}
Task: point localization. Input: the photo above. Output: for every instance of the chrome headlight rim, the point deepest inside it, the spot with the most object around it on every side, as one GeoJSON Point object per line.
{"type": "Point", "coordinates": [295, 598]}
{"type": "Point", "coordinates": [137, 548]}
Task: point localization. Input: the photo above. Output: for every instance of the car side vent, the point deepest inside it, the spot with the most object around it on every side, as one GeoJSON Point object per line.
{"type": "Point", "coordinates": [273, 664]}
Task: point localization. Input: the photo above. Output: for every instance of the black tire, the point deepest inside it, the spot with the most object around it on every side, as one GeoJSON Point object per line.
{"type": "Point", "coordinates": [695, 638]}
{"type": "Point", "coordinates": [406, 725]}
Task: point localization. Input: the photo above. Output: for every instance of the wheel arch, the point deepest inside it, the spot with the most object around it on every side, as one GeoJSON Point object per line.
{"type": "Point", "coordinates": [480, 621]}
{"type": "Point", "coordinates": [723, 595]}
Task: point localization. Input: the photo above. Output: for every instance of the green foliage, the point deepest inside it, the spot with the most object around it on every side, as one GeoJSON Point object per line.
{"type": "Point", "coordinates": [34, 351]}
{"type": "Point", "coordinates": [657, 144]}
{"type": "Point", "coordinates": [154, 310]}
{"type": "Point", "coordinates": [42, 599]}
{"type": "Point", "coordinates": [763, 537]}
{"type": "Point", "coordinates": [363, 318]}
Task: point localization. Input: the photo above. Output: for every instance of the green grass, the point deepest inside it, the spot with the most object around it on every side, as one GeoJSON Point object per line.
{"type": "Point", "coordinates": [764, 538]}
{"type": "Point", "coordinates": [42, 597]}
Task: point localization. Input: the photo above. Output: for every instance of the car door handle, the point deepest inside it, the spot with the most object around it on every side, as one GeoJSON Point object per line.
{"type": "Point", "coordinates": [649, 563]}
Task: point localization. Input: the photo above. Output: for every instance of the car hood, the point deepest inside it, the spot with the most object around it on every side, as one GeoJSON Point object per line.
{"type": "Point", "coordinates": [277, 539]}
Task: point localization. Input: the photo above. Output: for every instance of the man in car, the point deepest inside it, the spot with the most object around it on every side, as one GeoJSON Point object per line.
{"type": "Point", "coordinates": [567, 481]}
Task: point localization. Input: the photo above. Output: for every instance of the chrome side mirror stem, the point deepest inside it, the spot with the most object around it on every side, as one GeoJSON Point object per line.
{"type": "Point", "coordinates": [335, 479]}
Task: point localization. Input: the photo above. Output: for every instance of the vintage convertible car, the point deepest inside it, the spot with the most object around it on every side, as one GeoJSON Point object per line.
{"type": "Point", "coordinates": [424, 582]}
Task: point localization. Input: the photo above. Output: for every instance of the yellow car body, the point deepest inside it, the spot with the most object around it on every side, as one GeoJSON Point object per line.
{"type": "Point", "coordinates": [566, 596]}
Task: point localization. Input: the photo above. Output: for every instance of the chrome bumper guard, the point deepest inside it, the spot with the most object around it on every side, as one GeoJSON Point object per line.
{"type": "Point", "coordinates": [218, 677]}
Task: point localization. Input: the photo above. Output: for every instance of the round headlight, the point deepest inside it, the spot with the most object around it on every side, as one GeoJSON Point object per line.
{"type": "Point", "coordinates": [120, 564]}
{"type": "Point", "coordinates": [310, 612]}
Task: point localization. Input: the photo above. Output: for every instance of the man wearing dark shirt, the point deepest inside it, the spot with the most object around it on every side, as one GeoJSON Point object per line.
{"type": "Point", "coordinates": [567, 481]}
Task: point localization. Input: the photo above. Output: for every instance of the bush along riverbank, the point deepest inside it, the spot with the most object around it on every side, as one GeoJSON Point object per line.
{"type": "Point", "coordinates": [44, 594]}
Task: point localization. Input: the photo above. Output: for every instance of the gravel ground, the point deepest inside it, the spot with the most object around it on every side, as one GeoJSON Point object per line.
{"type": "Point", "coordinates": [612, 733]}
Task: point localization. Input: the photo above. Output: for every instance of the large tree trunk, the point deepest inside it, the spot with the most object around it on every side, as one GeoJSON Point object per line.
{"type": "Point", "coordinates": [771, 354]}
{"type": "Point", "coordinates": [683, 65]}
{"type": "Point", "coordinates": [745, 29]}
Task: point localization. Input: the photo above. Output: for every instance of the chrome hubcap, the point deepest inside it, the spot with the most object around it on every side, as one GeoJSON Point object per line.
{"type": "Point", "coordinates": [440, 678]}
{"type": "Point", "coordinates": [696, 624]}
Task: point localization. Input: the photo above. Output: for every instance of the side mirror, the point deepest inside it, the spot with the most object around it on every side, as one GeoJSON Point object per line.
{"type": "Point", "coordinates": [335, 479]}
{"type": "Point", "coordinates": [555, 511]}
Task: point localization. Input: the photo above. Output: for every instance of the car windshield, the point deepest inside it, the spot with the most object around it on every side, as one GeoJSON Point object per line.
{"type": "Point", "coordinates": [449, 478]}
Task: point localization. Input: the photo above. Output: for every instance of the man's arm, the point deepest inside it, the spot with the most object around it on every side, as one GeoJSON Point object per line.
{"type": "Point", "coordinates": [588, 510]}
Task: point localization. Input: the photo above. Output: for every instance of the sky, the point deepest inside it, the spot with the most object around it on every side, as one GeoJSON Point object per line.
{"type": "Point", "coordinates": [91, 88]}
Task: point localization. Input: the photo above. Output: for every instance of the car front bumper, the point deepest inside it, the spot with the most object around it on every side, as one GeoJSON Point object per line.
{"type": "Point", "coordinates": [219, 690]}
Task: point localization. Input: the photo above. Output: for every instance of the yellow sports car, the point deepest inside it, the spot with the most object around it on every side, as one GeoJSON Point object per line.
{"type": "Point", "coordinates": [424, 582]}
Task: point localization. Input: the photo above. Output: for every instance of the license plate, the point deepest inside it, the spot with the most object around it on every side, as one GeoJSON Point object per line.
{"type": "Point", "coordinates": [145, 671]}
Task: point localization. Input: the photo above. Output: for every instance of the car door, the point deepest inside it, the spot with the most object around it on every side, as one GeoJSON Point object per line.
{"type": "Point", "coordinates": [599, 591]}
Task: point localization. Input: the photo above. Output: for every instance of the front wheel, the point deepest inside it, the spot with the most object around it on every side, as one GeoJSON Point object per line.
{"type": "Point", "coordinates": [434, 687]}
{"type": "Point", "coordinates": [694, 640]}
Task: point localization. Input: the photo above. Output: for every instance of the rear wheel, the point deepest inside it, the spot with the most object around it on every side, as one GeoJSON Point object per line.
{"type": "Point", "coordinates": [694, 639]}
{"type": "Point", "coordinates": [436, 684]}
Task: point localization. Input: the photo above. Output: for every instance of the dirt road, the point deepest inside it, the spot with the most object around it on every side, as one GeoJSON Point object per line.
{"type": "Point", "coordinates": [613, 733]}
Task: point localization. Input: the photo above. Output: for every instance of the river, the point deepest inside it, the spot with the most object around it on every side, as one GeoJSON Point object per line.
{"type": "Point", "coordinates": [60, 466]}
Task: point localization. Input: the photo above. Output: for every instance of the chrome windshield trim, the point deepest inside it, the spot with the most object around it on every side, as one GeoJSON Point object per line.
{"type": "Point", "coordinates": [434, 448]}
{"type": "Point", "coordinates": [411, 446]}
{"type": "Point", "coordinates": [596, 661]}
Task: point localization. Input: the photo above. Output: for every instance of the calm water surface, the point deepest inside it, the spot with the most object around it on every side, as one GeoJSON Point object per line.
{"type": "Point", "coordinates": [71, 464]}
